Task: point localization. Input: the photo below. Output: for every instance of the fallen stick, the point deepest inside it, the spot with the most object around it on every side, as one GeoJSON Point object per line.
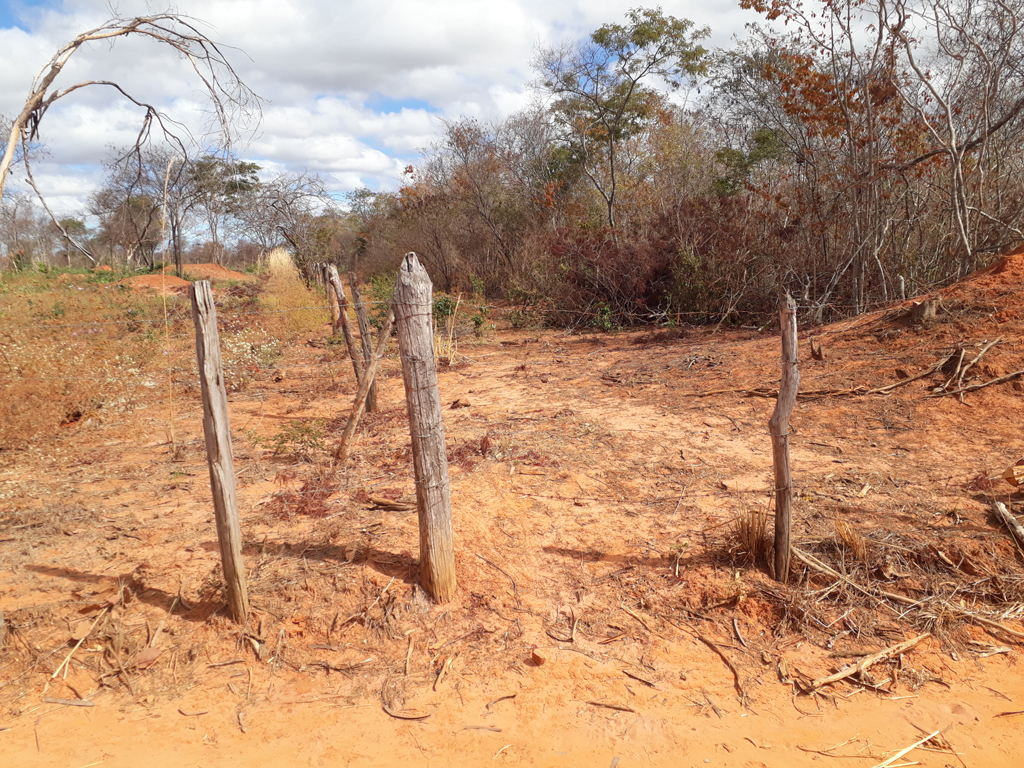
{"type": "Point", "coordinates": [77, 646]}
{"type": "Point", "coordinates": [616, 707]}
{"type": "Point", "coordinates": [728, 663]}
{"type": "Point", "coordinates": [928, 372]}
{"type": "Point", "coordinates": [973, 387]}
{"type": "Point", "coordinates": [637, 617]}
{"type": "Point", "coordinates": [639, 679]}
{"type": "Point", "coordinates": [986, 348]}
{"type": "Point", "coordinates": [406, 715]}
{"type": "Point", "coordinates": [868, 661]}
{"type": "Point", "coordinates": [515, 587]}
{"type": "Point", "coordinates": [1015, 528]}
{"type": "Point", "coordinates": [68, 702]}
{"type": "Point", "coordinates": [500, 698]}
{"type": "Point", "coordinates": [902, 752]}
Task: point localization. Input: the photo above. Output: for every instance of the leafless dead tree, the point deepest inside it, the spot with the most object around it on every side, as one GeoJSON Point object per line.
{"type": "Point", "coordinates": [233, 105]}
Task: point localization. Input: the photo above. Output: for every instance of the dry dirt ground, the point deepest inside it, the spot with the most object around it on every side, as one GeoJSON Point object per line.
{"type": "Point", "coordinates": [595, 496]}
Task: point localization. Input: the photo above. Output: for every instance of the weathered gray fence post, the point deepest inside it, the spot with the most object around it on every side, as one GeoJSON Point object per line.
{"type": "Point", "coordinates": [778, 426]}
{"type": "Point", "coordinates": [365, 339]}
{"type": "Point", "coordinates": [219, 453]}
{"type": "Point", "coordinates": [341, 452]}
{"type": "Point", "coordinates": [332, 297]}
{"type": "Point", "coordinates": [345, 323]}
{"type": "Point", "coordinates": [413, 307]}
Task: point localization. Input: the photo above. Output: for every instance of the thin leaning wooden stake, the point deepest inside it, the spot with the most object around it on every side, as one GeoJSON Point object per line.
{"type": "Point", "coordinates": [219, 453]}
{"type": "Point", "coordinates": [413, 308]}
{"type": "Point", "coordinates": [778, 426]}
{"type": "Point", "coordinates": [344, 322]}
{"type": "Point", "coordinates": [341, 452]}
{"type": "Point", "coordinates": [365, 338]}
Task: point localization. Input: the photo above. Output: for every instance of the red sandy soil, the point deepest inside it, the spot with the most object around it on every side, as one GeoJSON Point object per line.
{"type": "Point", "coordinates": [211, 272]}
{"type": "Point", "coordinates": [160, 283]}
{"type": "Point", "coordinates": [104, 268]}
{"type": "Point", "coordinates": [593, 492]}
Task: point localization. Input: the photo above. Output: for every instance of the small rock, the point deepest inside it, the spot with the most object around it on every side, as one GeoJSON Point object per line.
{"type": "Point", "coordinates": [538, 658]}
{"type": "Point", "coordinates": [901, 374]}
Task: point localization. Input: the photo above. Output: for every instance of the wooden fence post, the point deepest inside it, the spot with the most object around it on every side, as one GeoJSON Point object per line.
{"type": "Point", "coordinates": [413, 307]}
{"type": "Point", "coordinates": [219, 453]}
{"type": "Point", "coordinates": [778, 426]}
{"type": "Point", "coordinates": [346, 324]}
{"type": "Point", "coordinates": [365, 339]}
{"type": "Point", "coordinates": [341, 452]}
{"type": "Point", "coordinates": [332, 297]}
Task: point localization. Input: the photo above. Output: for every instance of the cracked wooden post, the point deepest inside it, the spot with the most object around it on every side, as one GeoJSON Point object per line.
{"type": "Point", "coordinates": [365, 339]}
{"type": "Point", "coordinates": [219, 453]}
{"type": "Point", "coordinates": [413, 307]}
{"type": "Point", "coordinates": [778, 426]}
{"type": "Point", "coordinates": [332, 297]}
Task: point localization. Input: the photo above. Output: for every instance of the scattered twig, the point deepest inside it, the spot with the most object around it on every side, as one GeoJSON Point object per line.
{"type": "Point", "coordinates": [736, 628]}
{"type": "Point", "coordinates": [68, 702]}
{"type": "Point", "coordinates": [972, 387]}
{"type": "Point", "coordinates": [515, 588]}
{"type": "Point", "coordinates": [616, 707]}
{"type": "Point", "coordinates": [1011, 714]}
{"type": "Point", "coordinates": [637, 617]}
{"type": "Point", "coordinates": [965, 369]}
{"type": "Point", "coordinates": [711, 703]}
{"type": "Point", "coordinates": [407, 715]}
{"type": "Point", "coordinates": [67, 658]}
{"type": "Point", "coordinates": [902, 752]}
{"type": "Point", "coordinates": [186, 713]}
{"type": "Point", "coordinates": [868, 661]}
{"type": "Point", "coordinates": [491, 728]}
{"type": "Point", "coordinates": [728, 663]}
{"type": "Point", "coordinates": [815, 564]}
{"type": "Point", "coordinates": [639, 679]}
{"type": "Point", "coordinates": [500, 698]}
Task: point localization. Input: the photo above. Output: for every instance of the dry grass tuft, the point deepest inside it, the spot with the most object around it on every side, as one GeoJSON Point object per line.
{"type": "Point", "coordinates": [851, 540]}
{"type": "Point", "coordinates": [750, 532]}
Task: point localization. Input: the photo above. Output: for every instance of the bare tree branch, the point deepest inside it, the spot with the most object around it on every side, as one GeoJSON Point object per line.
{"type": "Point", "coordinates": [233, 104]}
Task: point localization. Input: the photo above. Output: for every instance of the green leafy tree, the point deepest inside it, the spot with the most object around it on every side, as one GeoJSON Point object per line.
{"type": "Point", "coordinates": [603, 89]}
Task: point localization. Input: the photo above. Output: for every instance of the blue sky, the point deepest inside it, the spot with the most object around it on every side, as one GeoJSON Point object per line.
{"type": "Point", "coordinates": [11, 13]}
{"type": "Point", "coordinates": [354, 89]}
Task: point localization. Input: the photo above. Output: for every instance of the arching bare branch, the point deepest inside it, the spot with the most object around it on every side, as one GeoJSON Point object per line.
{"type": "Point", "coordinates": [234, 107]}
